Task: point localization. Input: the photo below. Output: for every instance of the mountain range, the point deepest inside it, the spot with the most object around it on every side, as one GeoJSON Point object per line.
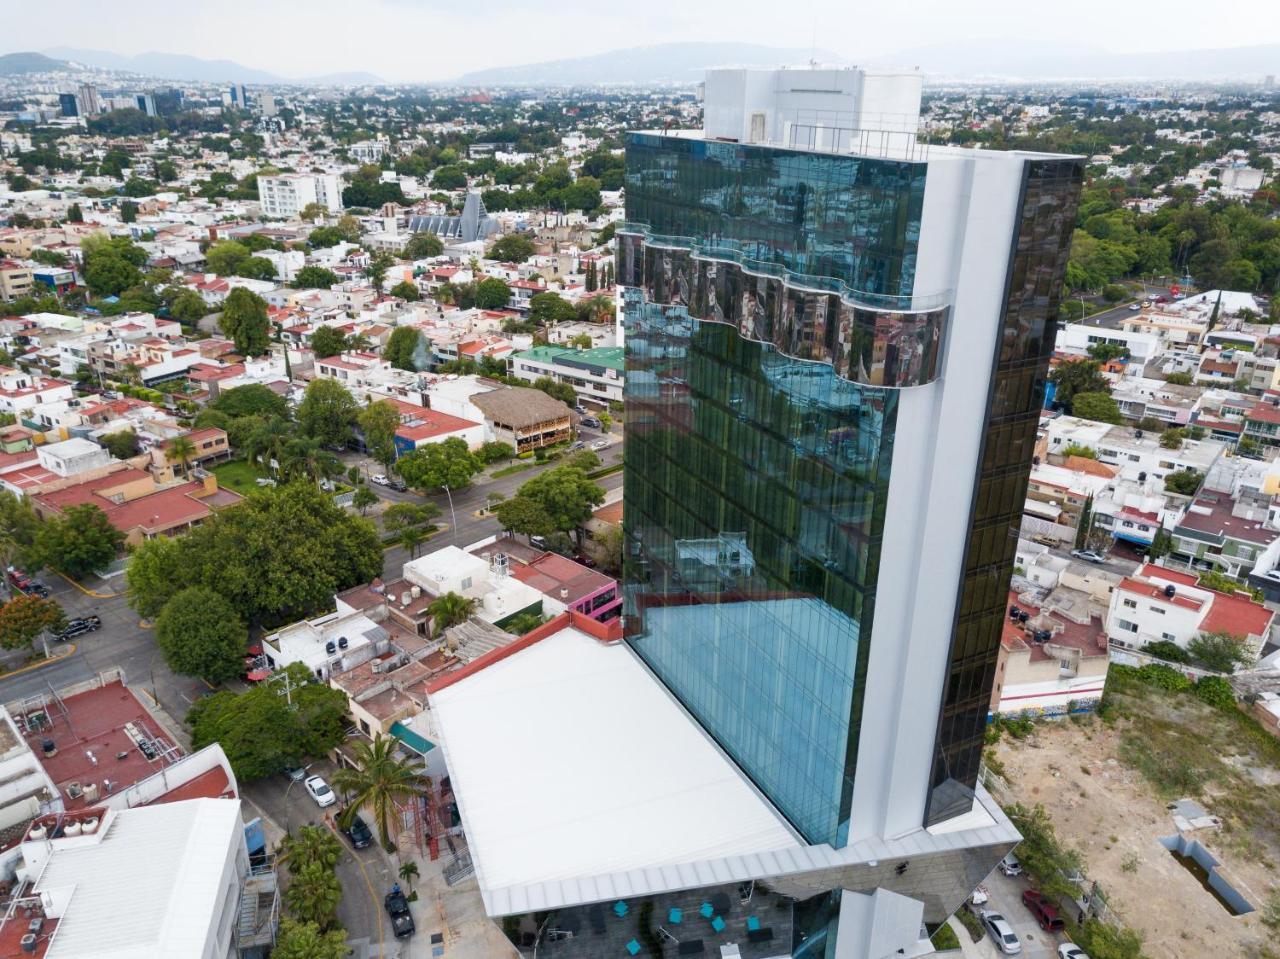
{"type": "Point", "coordinates": [178, 66]}
{"type": "Point", "coordinates": [14, 64]}
{"type": "Point", "coordinates": [1005, 59]}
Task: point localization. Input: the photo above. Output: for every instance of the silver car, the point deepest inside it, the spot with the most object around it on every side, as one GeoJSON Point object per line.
{"type": "Point", "coordinates": [1069, 950]}
{"type": "Point", "coordinates": [998, 928]}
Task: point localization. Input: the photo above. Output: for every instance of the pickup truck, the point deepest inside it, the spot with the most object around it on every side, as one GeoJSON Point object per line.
{"type": "Point", "coordinates": [398, 909]}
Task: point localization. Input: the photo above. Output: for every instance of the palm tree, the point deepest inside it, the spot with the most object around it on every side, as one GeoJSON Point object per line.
{"type": "Point", "coordinates": [378, 781]}
{"type": "Point", "coordinates": [311, 844]}
{"type": "Point", "coordinates": [181, 449]}
{"type": "Point", "coordinates": [409, 872]}
{"type": "Point", "coordinates": [450, 609]}
{"type": "Point", "coordinates": [266, 443]}
{"type": "Point", "coordinates": [313, 894]}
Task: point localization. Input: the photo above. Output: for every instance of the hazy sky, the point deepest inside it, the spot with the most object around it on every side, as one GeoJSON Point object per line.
{"type": "Point", "coordinates": [419, 40]}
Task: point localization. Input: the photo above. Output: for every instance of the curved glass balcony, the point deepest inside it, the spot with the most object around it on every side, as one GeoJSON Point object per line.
{"type": "Point", "coordinates": [873, 339]}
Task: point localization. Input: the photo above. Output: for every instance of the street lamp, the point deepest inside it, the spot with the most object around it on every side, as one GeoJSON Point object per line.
{"type": "Point", "coordinates": [453, 517]}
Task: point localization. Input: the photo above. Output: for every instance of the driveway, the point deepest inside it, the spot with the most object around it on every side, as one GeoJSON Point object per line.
{"type": "Point", "coordinates": [1006, 899]}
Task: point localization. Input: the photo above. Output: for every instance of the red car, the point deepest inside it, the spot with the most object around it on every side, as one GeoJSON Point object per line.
{"type": "Point", "coordinates": [1045, 912]}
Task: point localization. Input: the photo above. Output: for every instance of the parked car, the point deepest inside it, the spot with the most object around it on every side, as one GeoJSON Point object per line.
{"type": "Point", "coordinates": [591, 422]}
{"type": "Point", "coordinates": [1010, 866]}
{"type": "Point", "coordinates": [319, 790]}
{"type": "Point", "coordinates": [577, 446]}
{"type": "Point", "coordinates": [359, 833]}
{"type": "Point", "coordinates": [1135, 307]}
{"type": "Point", "coordinates": [998, 928]}
{"type": "Point", "coordinates": [1089, 555]}
{"type": "Point", "coordinates": [25, 584]}
{"type": "Point", "coordinates": [1046, 912]}
{"type": "Point", "coordinates": [398, 909]}
{"type": "Point", "coordinates": [582, 559]}
{"type": "Point", "coordinates": [600, 445]}
{"type": "Point", "coordinates": [380, 479]}
{"type": "Point", "coordinates": [78, 627]}
{"type": "Point", "coordinates": [296, 773]}
{"type": "Point", "coordinates": [1069, 950]}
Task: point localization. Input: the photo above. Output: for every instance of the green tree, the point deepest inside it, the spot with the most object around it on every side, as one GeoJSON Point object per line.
{"type": "Point", "coordinates": [253, 399]}
{"type": "Point", "coordinates": [75, 214]}
{"type": "Point", "coordinates": [1095, 406]}
{"type": "Point", "coordinates": [307, 940]}
{"type": "Point", "coordinates": [495, 452]}
{"type": "Point", "coordinates": [1185, 482]}
{"type": "Point", "coordinates": [310, 844]}
{"type": "Point", "coordinates": [1216, 691]}
{"type": "Point", "coordinates": [313, 211]}
{"type": "Point", "coordinates": [523, 514]}
{"type": "Point", "coordinates": [263, 731]}
{"type": "Point", "coordinates": [512, 248]}
{"type": "Point", "coordinates": [547, 309]}
{"type": "Point", "coordinates": [400, 516]}
{"type": "Point", "coordinates": [109, 266]}
{"type": "Point", "coordinates": [363, 498]}
{"type": "Point", "coordinates": [257, 268]}
{"type": "Point", "coordinates": [411, 537]}
{"type": "Point", "coordinates": [327, 412]}
{"type": "Point", "coordinates": [379, 781]}
{"type": "Point", "coordinates": [181, 450]}
{"type": "Point", "coordinates": [378, 423]}
{"type": "Point", "coordinates": [187, 307]}
{"type": "Point", "coordinates": [437, 465]}
{"type": "Point", "coordinates": [327, 341]}
{"type": "Point", "coordinates": [566, 494]}
{"type": "Point", "coordinates": [1103, 352]}
{"type": "Point", "coordinates": [376, 271]}
{"type": "Point", "coordinates": [1077, 376]}
{"type": "Point", "coordinates": [153, 576]}
{"type": "Point", "coordinates": [1172, 438]}
{"type": "Point", "coordinates": [201, 635]}
{"type": "Point", "coordinates": [225, 257]}
{"type": "Point", "coordinates": [313, 895]}
{"type": "Point", "coordinates": [122, 444]}
{"type": "Point", "coordinates": [402, 348]}
{"type": "Point", "coordinates": [406, 290]}
{"type": "Point", "coordinates": [408, 872]}
{"type": "Point", "coordinates": [422, 246]}
{"type": "Point", "coordinates": [1218, 651]}
{"type": "Point", "coordinates": [24, 618]}
{"type": "Point", "coordinates": [561, 391]}
{"type": "Point", "coordinates": [128, 211]}
{"type": "Point", "coordinates": [448, 610]}
{"type": "Point", "coordinates": [79, 542]}
{"type": "Point", "coordinates": [1178, 379]}
{"type": "Point", "coordinates": [314, 278]}
{"type": "Point", "coordinates": [492, 294]}
{"type": "Point", "coordinates": [244, 321]}
{"type": "Point", "coordinates": [1085, 526]}
{"type": "Point", "coordinates": [325, 236]}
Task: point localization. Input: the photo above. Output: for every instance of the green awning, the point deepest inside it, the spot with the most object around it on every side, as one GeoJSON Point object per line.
{"type": "Point", "coordinates": [411, 739]}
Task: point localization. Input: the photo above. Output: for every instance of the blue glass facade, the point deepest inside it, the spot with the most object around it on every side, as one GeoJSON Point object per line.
{"type": "Point", "coordinates": [756, 481]}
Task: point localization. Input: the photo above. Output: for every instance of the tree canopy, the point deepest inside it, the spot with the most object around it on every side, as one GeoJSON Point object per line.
{"type": "Point", "coordinates": [1095, 406]}
{"type": "Point", "coordinates": [200, 635]}
{"type": "Point", "coordinates": [1077, 376]}
{"type": "Point", "coordinates": [263, 732]}
{"type": "Point", "coordinates": [422, 246]}
{"type": "Point", "coordinates": [314, 278]}
{"type": "Point", "coordinates": [79, 542]}
{"type": "Point", "coordinates": [437, 465]}
{"type": "Point", "coordinates": [24, 617]}
{"type": "Point", "coordinates": [244, 321]}
{"type": "Point", "coordinates": [402, 348]}
{"type": "Point", "coordinates": [327, 412]}
{"type": "Point", "coordinates": [492, 294]}
{"type": "Point", "coordinates": [253, 399]}
{"type": "Point", "coordinates": [327, 341]}
{"type": "Point", "coordinates": [277, 557]}
{"type": "Point", "coordinates": [378, 423]}
{"type": "Point", "coordinates": [512, 248]}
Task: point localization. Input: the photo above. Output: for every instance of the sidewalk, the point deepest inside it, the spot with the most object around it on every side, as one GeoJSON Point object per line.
{"type": "Point", "coordinates": [983, 949]}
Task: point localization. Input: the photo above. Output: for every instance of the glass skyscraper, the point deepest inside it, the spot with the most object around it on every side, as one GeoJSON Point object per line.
{"type": "Point", "coordinates": [773, 323]}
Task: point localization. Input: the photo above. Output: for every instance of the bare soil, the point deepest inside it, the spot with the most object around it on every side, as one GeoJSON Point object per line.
{"type": "Point", "coordinates": [1106, 785]}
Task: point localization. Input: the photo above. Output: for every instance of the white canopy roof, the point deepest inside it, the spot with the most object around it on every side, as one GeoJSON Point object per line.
{"type": "Point", "coordinates": [568, 760]}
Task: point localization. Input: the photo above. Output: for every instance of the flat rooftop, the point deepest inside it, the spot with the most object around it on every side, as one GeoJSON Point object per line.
{"type": "Point", "coordinates": [595, 791]}
{"type": "Point", "coordinates": [97, 742]}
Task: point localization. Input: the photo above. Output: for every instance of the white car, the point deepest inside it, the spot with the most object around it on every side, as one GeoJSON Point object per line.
{"type": "Point", "coordinates": [1010, 866]}
{"type": "Point", "coordinates": [380, 479]}
{"type": "Point", "coordinates": [319, 790]}
{"type": "Point", "coordinates": [998, 928]}
{"type": "Point", "coordinates": [600, 445]}
{"type": "Point", "coordinates": [1069, 950]}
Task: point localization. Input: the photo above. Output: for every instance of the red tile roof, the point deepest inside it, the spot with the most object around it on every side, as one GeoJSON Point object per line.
{"type": "Point", "coordinates": [1156, 591]}
{"type": "Point", "coordinates": [152, 512]}
{"type": "Point", "coordinates": [1237, 615]}
{"type": "Point", "coordinates": [428, 423]}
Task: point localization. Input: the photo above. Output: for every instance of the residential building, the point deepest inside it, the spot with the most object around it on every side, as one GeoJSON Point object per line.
{"type": "Point", "coordinates": [1074, 340]}
{"type": "Point", "coordinates": [597, 374]}
{"type": "Point", "coordinates": [1159, 604]}
{"type": "Point", "coordinates": [884, 374]}
{"type": "Point", "coordinates": [1262, 421]}
{"type": "Point", "coordinates": [284, 196]}
{"type": "Point", "coordinates": [1050, 664]}
{"type": "Point", "coordinates": [73, 457]}
{"type": "Point", "coordinates": [1137, 455]}
{"type": "Point", "coordinates": [15, 280]}
{"type": "Point", "coordinates": [138, 505]}
{"type": "Point", "coordinates": [525, 418]}
{"type": "Point", "coordinates": [1225, 532]}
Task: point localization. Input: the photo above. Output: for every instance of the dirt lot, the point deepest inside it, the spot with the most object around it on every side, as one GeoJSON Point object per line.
{"type": "Point", "coordinates": [1106, 783]}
